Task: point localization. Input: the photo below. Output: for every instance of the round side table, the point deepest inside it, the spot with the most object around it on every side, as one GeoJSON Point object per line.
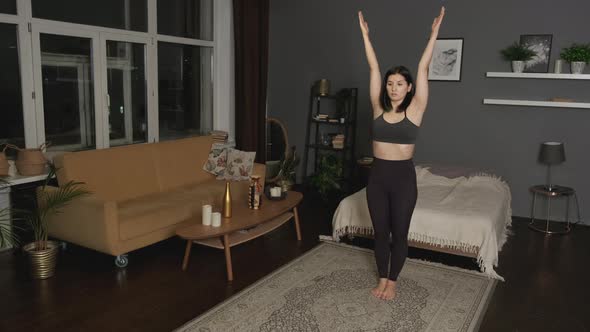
{"type": "Point", "coordinates": [556, 191]}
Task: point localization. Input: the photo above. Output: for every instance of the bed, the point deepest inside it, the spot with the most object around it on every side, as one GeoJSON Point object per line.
{"type": "Point", "coordinates": [458, 211]}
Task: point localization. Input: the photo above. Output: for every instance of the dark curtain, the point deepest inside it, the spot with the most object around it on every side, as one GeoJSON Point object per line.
{"type": "Point", "coordinates": [251, 66]}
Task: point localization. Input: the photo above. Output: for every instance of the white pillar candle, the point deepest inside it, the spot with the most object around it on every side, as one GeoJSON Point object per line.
{"type": "Point", "coordinates": [216, 219]}
{"type": "Point", "coordinates": [207, 215]}
{"type": "Point", "coordinates": [275, 192]}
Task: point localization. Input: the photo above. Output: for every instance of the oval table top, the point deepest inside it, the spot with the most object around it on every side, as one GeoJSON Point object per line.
{"type": "Point", "coordinates": [242, 218]}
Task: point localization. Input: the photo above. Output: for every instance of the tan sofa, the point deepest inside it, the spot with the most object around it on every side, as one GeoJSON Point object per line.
{"type": "Point", "coordinates": [140, 193]}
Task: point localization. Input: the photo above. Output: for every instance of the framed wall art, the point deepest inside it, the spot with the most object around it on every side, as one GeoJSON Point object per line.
{"type": "Point", "coordinates": [446, 60]}
{"type": "Point", "coordinates": [541, 44]}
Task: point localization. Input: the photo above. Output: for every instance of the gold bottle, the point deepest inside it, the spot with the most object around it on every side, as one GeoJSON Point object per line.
{"type": "Point", "coordinates": [227, 201]}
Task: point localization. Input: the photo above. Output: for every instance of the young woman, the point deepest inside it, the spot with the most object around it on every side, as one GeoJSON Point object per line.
{"type": "Point", "coordinates": [398, 107]}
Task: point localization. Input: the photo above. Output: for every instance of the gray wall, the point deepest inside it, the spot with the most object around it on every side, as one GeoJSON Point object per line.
{"type": "Point", "coordinates": [312, 39]}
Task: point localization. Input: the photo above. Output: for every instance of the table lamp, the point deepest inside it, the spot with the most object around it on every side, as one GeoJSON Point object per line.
{"type": "Point", "coordinates": [551, 153]}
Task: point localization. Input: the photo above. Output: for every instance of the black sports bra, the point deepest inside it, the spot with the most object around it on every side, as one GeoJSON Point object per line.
{"type": "Point", "coordinates": [402, 132]}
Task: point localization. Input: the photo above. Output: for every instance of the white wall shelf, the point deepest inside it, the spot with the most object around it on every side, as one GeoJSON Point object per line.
{"type": "Point", "coordinates": [539, 75]}
{"type": "Point", "coordinates": [539, 103]}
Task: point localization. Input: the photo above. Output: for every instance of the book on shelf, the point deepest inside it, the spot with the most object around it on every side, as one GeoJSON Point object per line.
{"type": "Point", "coordinates": [320, 117]}
{"type": "Point", "coordinates": [338, 141]}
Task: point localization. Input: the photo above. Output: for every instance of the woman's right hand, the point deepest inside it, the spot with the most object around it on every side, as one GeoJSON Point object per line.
{"type": "Point", "coordinates": [363, 24]}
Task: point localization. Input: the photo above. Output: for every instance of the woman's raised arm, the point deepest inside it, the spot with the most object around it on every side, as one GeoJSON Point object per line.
{"type": "Point", "coordinates": [421, 92]}
{"type": "Point", "coordinates": [375, 78]}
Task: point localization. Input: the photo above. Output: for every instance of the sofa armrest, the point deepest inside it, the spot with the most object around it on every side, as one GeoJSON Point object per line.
{"type": "Point", "coordinates": [88, 221]}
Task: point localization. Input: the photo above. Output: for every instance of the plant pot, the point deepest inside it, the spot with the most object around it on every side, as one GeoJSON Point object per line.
{"type": "Point", "coordinates": [577, 67]}
{"type": "Point", "coordinates": [30, 162]}
{"type": "Point", "coordinates": [517, 66]}
{"type": "Point", "coordinates": [4, 166]}
{"type": "Point", "coordinates": [286, 185]}
{"type": "Point", "coordinates": [42, 262]}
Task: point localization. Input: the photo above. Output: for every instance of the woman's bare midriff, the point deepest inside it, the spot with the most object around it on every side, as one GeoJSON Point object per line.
{"type": "Point", "coordinates": [393, 151]}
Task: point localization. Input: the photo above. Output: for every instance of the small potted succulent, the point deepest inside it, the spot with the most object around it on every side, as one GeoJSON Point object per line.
{"type": "Point", "coordinates": [287, 166]}
{"type": "Point", "coordinates": [578, 55]}
{"type": "Point", "coordinates": [517, 54]}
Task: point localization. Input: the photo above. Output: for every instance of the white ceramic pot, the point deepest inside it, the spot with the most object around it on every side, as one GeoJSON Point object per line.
{"type": "Point", "coordinates": [517, 66]}
{"type": "Point", "coordinates": [577, 67]}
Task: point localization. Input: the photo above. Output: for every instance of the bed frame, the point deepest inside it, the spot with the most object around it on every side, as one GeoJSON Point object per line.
{"type": "Point", "coordinates": [471, 253]}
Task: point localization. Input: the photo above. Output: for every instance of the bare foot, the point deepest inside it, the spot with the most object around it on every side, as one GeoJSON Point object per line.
{"type": "Point", "coordinates": [380, 289]}
{"type": "Point", "coordinates": [389, 292]}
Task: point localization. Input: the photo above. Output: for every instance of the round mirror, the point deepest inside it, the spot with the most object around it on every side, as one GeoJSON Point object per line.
{"type": "Point", "coordinates": [277, 147]}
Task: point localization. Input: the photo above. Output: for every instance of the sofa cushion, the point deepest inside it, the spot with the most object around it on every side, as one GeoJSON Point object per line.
{"type": "Point", "coordinates": [153, 212]}
{"type": "Point", "coordinates": [117, 173]}
{"type": "Point", "coordinates": [217, 161]}
{"type": "Point", "coordinates": [239, 165]}
{"type": "Point", "coordinates": [180, 162]}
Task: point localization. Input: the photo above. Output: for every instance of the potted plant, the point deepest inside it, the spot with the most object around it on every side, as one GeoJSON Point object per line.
{"type": "Point", "coordinates": [287, 166]}
{"type": "Point", "coordinates": [578, 56]}
{"type": "Point", "coordinates": [42, 253]}
{"type": "Point", "coordinates": [327, 179]}
{"type": "Point", "coordinates": [517, 54]}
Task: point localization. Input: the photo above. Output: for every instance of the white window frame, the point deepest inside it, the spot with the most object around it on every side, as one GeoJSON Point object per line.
{"type": "Point", "coordinates": [151, 108]}
{"type": "Point", "coordinates": [94, 36]}
{"type": "Point", "coordinates": [29, 28]}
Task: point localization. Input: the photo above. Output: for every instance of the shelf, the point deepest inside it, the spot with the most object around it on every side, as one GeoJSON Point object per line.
{"type": "Point", "coordinates": [539, 75]}
{"type": "Point", "coordinates": [22, 179]}
{"type": "Point", "coordinates": [325, 147]}
{"type": "Point", "coordinates": [332, 123]}
{"type": "Point", "coordinates": [540, 103]}
{"type": "Point", "coordinates": [249, 234]}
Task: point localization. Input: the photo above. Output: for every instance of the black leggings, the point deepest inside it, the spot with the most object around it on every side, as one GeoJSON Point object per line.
{"type": "Point", "coordinates": [391, 194]}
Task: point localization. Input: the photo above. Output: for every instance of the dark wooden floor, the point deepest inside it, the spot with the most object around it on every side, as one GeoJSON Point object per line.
{"type": "Point", "coordinates": [546, 286]}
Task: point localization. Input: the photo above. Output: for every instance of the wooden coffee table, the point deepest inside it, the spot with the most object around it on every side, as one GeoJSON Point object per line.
{"type": "Point", "coordinates": [244, 225]}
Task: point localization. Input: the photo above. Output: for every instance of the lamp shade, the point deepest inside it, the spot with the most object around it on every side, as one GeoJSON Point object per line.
{"type": "Point", "coordinates": [552, 153]}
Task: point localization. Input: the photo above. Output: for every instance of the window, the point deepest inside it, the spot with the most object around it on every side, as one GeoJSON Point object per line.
{"type": "Point", "coordinates": [126, 84]}
{"type": "Point", "coordinates": [93, 74]}
{"type": "Point", "coordinates": [185, 90]}
{"type": "Point", "coordinates": [11, 108]}
{"type": "Point", "coordinates": [127, 15]}
{"type": "Point", "coordinates": [68, 95]}
{"type": "Point", "coordinates": [186, 18]}
{"type": "Point", "coordinates": [8, 6]}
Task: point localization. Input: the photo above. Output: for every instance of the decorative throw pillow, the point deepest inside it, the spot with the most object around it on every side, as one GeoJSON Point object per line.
{"type": "Point", "coordinates": [217, 161]}
{"type": "Point", "coordinates": [239, 165]}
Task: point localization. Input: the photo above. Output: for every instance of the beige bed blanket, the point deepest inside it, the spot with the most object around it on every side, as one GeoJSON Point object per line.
{"type": "Point", "coordinates": [461, 213]}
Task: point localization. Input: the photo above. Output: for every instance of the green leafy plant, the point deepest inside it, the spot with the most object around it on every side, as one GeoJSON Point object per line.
{"type": "Point", "coordinates": [8, 236]}
{"type": "Point", "coordinates": [288, 165]}
{"type": "Point", "coordinates": [50, 202]}
{"type": "Point", "coordinates": [576, 53]}
{"type": "Point", "coordinates": [327, 179]}
{"type": "Point", "coordinates": [517, 52]}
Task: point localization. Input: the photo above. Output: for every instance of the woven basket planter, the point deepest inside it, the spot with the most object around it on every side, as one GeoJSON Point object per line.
{"type": "Point", "coordinates": [31, 161]}
{"type": "Point", "coordinates": [4, 162]}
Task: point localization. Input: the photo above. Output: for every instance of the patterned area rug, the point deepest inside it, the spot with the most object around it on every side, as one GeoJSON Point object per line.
{"type": "Point", "coordinates": [328, 289]}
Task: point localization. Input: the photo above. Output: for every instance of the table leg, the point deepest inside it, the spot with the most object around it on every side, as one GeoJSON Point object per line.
{"type": "Point", "coordinates": [297, 228]}
{"type": "Point", "coordinates": [226, 248]}
{"type": "Point", "coordinates": [567, 213]}
{"type": "Point", "coordinates": [548, 214]}
{"type": "Point", "coordinates": [533, 208]}
{"type": "Point", "coordinates": [187, 253]}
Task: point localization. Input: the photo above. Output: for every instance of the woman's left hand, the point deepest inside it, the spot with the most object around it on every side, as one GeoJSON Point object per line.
{"type": "Point", "coordinates": [437, 21]}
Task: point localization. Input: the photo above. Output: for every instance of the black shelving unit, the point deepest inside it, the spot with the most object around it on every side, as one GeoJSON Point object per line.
{"type": "Point", "coordinates": [343, 116]}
